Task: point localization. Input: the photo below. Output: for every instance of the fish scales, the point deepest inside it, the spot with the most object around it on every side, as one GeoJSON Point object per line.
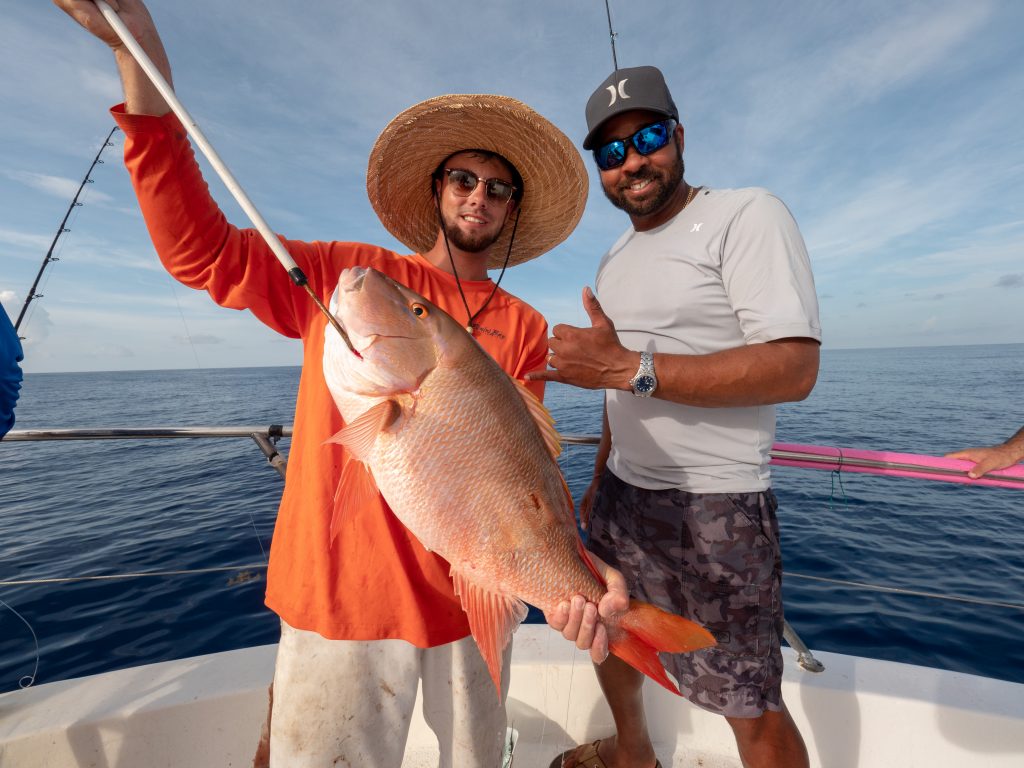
{"type": "Point", "coordinates": [488, 497]}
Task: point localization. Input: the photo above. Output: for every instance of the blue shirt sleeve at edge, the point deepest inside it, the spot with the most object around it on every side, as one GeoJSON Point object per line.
{"type": "Point", "coordinates": [10, 372]}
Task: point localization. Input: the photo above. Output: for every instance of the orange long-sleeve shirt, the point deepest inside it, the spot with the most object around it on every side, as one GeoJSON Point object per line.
{"type": "Point", "coordinates": [376, 581]}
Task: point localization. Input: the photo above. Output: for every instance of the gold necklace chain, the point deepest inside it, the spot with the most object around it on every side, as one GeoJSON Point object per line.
{"type": "Point", "coordinates": [689, 197]}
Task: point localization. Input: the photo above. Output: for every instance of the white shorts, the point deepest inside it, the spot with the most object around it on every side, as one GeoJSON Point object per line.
{"type": "Point", "coordinates": [341, 703]}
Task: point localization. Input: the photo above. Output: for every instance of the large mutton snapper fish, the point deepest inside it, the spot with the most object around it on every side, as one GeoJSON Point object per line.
{"type": "Point", "coordinates": [465, 456]}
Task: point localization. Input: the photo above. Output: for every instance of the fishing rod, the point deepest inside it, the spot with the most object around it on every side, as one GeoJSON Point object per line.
{"type": "Point", "coordinates": [293, 269]}
{"type": "Point", "coordinates": [611, 35]}
{"type": "Point", "coordinates": [60, 231]}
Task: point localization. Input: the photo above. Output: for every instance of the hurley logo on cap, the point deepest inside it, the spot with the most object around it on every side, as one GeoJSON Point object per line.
{"type": "Point", "coordinates": [647, 90]}
{"type": "Point", "coordinates": [618, 91]}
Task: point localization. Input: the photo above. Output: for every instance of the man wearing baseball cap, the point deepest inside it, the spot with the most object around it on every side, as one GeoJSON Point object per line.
{"type": "Point", "coordinates": [707, 318]}
{"type": "Point", "coordinates": [368, 615]}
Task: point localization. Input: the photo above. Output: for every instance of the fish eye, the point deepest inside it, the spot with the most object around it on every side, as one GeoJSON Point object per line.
{"type": "Point", "coordinates": [419, 310]}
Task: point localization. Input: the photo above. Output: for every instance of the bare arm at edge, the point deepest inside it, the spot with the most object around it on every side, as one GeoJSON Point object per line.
{"type": "Point", "coordinates": [993, 457]}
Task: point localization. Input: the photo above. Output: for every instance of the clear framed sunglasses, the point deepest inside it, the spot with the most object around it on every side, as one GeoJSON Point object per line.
{"type": "Point", "coordinates": [464, 182]}
{"type": "Point", "coordinates": [648, 139]}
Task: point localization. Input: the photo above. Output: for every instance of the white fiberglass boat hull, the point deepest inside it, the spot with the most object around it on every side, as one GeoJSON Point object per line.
{"type": "Point", "coordinates": [207, 712]}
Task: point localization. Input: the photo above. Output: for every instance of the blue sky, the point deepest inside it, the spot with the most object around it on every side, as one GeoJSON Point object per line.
{"type": "Point", "coordinates": [892, 131]}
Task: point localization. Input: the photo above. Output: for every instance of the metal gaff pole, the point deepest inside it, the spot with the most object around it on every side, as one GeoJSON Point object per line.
{"type": "Point", "coordinates": [296, 274]}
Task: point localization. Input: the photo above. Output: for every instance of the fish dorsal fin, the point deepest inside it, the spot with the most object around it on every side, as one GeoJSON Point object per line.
{"type": "Point", "coordinates": [541, 415]}
{"type": "Point", "coordinates": [359, 436]}
{"type": "Point", "coordinates": [359, 489]}
{"type": "Point", "coordinates": [492, 620]}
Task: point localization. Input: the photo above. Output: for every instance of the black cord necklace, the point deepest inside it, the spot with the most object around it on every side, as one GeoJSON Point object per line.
{"type": "Point", "coordinates": [471, 316]}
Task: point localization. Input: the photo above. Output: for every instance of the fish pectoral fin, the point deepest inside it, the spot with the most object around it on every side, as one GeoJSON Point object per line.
{"type": "Point", "coordinates": [492, 620]}
{"type": "Point", "coordinates": [543, 418]}
{"type": "Point", "coordinates": [359, 490]}
{"type": "Point", "coordinates": [359, 435]}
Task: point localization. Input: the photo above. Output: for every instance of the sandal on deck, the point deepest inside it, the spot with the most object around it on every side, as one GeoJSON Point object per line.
{"type": "Point", "coordinates": [588, 758]}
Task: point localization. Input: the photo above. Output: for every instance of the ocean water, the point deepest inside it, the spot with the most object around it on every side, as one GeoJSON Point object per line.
{"type": "Point", "coordinates": [200, 513]}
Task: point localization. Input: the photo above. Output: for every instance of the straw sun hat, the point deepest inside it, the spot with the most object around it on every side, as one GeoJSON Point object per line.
{"type": "Point", "coordinates": [398, 178]}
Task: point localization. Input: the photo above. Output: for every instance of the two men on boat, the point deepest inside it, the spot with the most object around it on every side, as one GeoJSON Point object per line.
{"type": "Point", "coordinates": [467, 183]}
{"type": "Point", "coordinates": [708, 318]}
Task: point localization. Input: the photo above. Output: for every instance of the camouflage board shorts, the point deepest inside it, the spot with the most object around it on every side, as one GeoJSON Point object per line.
{"type": "Point", "coordinates": [713, 558]}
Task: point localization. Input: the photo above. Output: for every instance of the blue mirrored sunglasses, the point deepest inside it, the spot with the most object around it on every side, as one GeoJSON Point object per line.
{"type": "Point", "coordinates": [648, 139]}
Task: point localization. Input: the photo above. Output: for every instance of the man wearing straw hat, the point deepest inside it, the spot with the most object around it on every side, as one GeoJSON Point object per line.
{"type": "Point", "coordinates": [467, 183]}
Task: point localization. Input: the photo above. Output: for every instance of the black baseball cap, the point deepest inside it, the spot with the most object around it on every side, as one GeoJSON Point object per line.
{"type": "Point", "coordinates": [624, 90]}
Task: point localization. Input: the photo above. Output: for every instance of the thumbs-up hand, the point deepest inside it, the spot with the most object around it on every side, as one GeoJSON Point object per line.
{"type": "Point", "coordinates": [592, 357]}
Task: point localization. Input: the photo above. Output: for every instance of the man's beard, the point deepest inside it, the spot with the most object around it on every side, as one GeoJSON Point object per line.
{"type": "Point", "coordinates": [469, 242]}
{"type": "Point", "coordinates": [667, 182]}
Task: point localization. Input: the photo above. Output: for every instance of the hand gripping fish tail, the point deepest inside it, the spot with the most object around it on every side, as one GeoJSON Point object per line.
{"type": "Point", "coordinates": [646, 630]}
{"type": "Point", "coordinates": [466, 458]}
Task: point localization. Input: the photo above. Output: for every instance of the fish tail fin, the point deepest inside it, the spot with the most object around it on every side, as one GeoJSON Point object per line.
{"type": "Point", "coordinates": [645, 631]}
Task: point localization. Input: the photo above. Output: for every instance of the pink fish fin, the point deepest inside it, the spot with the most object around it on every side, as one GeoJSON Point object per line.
{"type": "Point", "coordinates": [543, 418]}
{"type": "Point", "coordinates": [358, 436]}
{"type": "Point", "coordinates": [492, 620]}
{"type": "Point", "coordinates": [646, 631]}
{"type": "Point", "coordinates": [356, 488]}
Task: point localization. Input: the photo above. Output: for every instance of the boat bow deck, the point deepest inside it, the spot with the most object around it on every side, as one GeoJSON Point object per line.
{"type": "Point", "coordinates": [207, 711]}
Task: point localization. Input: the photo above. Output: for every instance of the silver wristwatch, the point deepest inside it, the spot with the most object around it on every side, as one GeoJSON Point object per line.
{"type": "Point", "coordinates": [645, 381]}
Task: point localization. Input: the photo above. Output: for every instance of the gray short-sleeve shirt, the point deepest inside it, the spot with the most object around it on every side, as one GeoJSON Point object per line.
{"type": "Point", "coordinates": [731, 269]}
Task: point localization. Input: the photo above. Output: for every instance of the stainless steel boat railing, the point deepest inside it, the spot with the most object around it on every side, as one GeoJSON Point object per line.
{"type": "Point", "coordinates": [266, 438]}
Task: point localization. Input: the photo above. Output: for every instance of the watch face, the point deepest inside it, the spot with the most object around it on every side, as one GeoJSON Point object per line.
{"type": "Point", "coordinates": [644, 384]}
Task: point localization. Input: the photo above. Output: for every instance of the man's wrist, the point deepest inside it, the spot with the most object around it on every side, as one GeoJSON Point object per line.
{"type": "Point", "coordinates": [644, 382]}
{"type": "Point", "coordinates": [634, 365]}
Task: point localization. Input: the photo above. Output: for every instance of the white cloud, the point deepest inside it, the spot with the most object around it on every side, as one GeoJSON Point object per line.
{"type": "Point", "coordinates": [53, 185]}
{"type": "Point", "coordinates": [889, 129]}
{"type": "Point", "coordinates": [199, 338]}
{"type": "Point", "coordinates": [25, 239]}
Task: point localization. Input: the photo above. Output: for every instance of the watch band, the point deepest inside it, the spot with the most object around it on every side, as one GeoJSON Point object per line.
{"type": "Point", "coordinates": [645, 381]}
